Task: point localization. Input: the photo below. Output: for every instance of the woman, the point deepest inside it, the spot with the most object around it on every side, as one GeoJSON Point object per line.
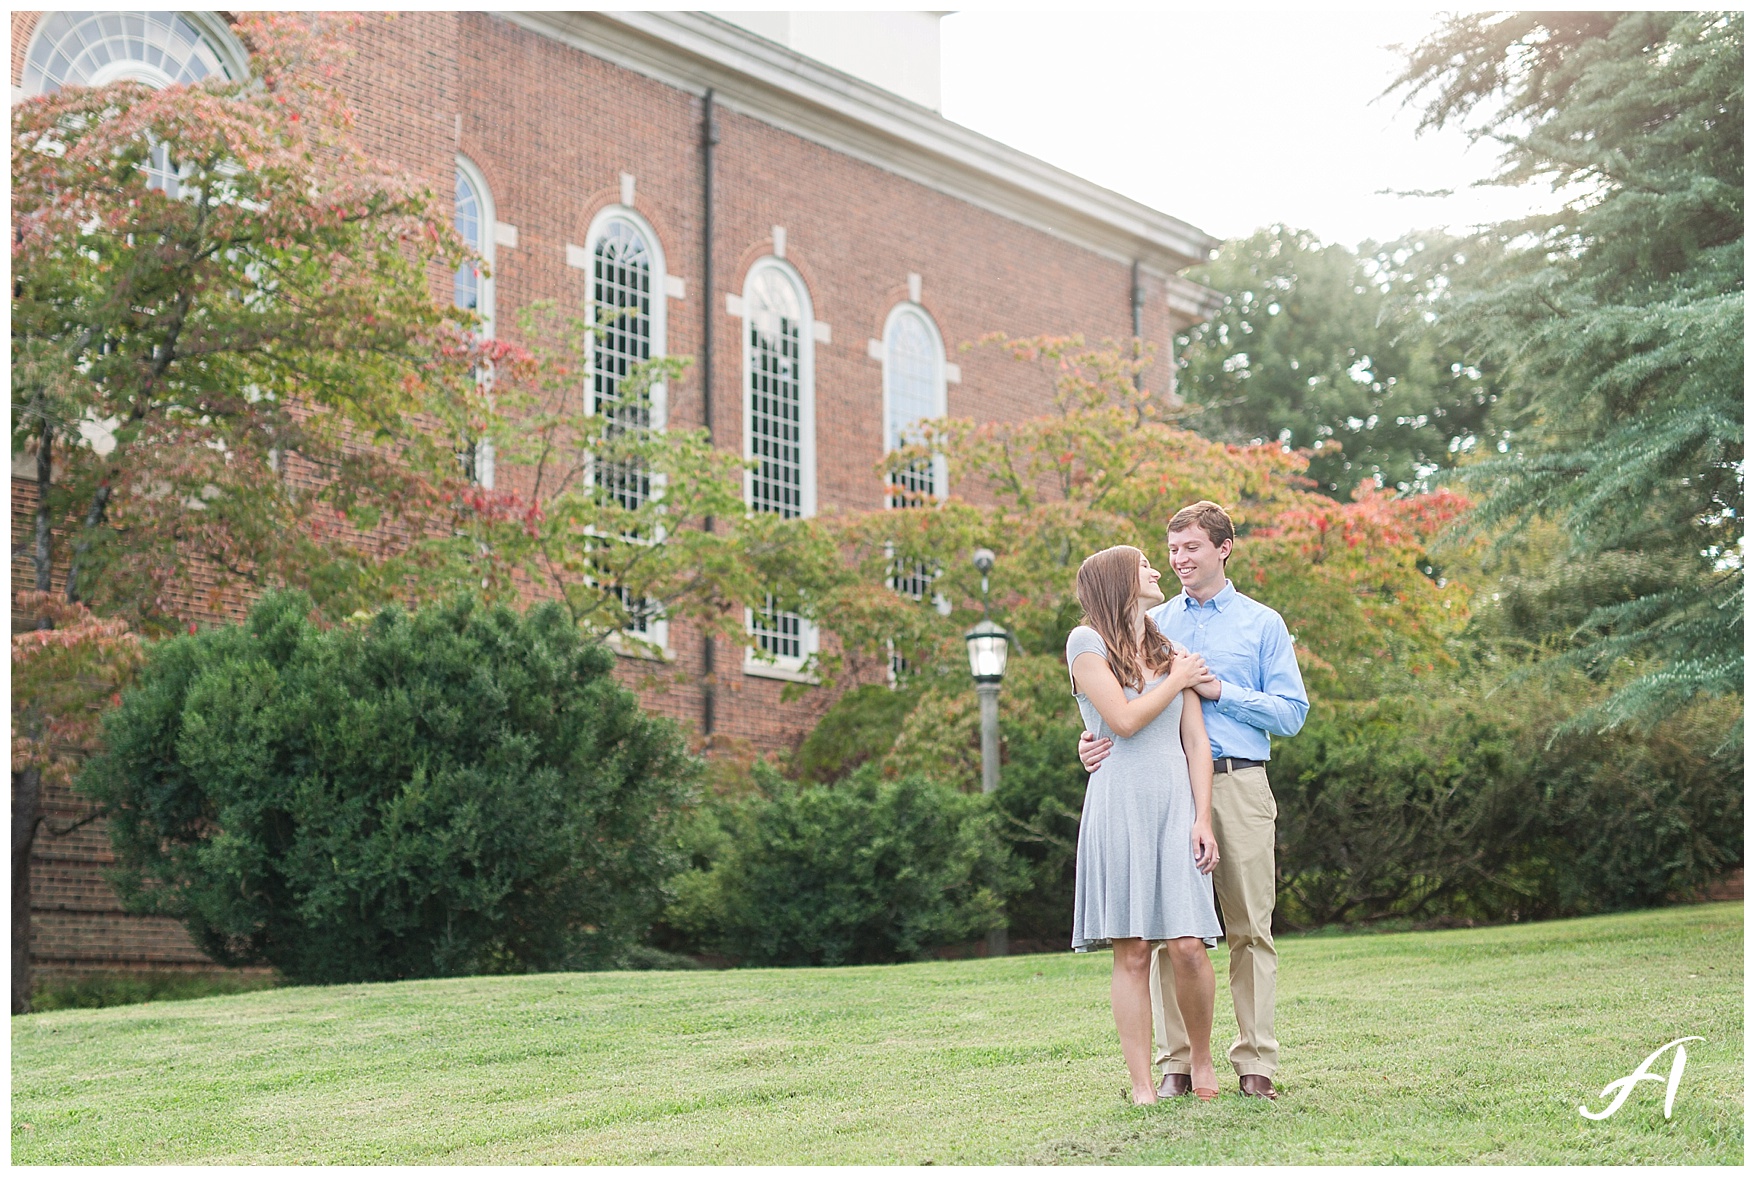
{"type": "Point", "coordinates": [1146, 847]}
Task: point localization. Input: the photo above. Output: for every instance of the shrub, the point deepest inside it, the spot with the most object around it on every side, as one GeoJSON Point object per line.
{"type": "Point", "coordinates": [99, 990]}
{"type": "Point", "coordinates": [933, 730]}
{"type": "Point", "coordinates": [1458, 800]}
{"type": "Point", "coordinates": [452, 791]}
{"type": "Point", "coordinates": [864, 871]}
{"type": "Point", "coordinates": [1468, 805]}
{"type": "Point", "coordinates": [1041, 783]}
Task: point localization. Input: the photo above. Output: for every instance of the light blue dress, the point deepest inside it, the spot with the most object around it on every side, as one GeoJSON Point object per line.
{"type": "Point", "coordinates": [1136, 874]}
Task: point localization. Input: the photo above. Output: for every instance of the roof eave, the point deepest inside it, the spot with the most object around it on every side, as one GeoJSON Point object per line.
{"type": "Point", "coordinates": [752, 75]}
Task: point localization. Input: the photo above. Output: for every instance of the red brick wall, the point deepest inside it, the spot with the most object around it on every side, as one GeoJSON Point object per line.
{"type": "Point", "coordinates": [77, 923]}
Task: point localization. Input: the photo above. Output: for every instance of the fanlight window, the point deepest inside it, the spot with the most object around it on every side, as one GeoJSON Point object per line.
{"type": "Point", "coordinates": [96, 48]}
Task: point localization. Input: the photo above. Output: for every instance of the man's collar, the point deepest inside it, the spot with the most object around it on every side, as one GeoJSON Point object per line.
{"type": "Point", "coordinates": [1220, 601]}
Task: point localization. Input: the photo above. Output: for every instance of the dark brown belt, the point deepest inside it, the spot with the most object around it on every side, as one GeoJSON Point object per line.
{"type": "Point", "coordinates": [1233, 763]}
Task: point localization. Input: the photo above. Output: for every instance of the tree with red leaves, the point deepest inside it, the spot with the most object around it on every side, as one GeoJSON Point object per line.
{"type": "Point", "coordinates": [1111, 464]}
{"type": "Point", "coordinates": [225, 352]}
{"type": "Point", "coordinates": [224, 336]}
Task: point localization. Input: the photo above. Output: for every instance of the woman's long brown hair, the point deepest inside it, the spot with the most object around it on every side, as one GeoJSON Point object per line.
{"type": "Point", "coordinates": [1107, 589]}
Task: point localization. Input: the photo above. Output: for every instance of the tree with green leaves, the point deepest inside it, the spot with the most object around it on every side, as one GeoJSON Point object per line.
{"type": "Point", "coordinates": [1619, 315]}
{"type": "Point", "coordinates": [597, 509]}
{"type": "Point", "coordinates": [63, 678]}
{"type": "Point", "coordinates": [232, 371]}
{"type": "Point", "coordinates": [1107, 464]}
{"type": "Point", "coordinates": [1342, 353]}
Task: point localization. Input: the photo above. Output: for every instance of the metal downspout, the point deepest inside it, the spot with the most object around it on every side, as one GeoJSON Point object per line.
{"type": "Point", "coordinates": [709, 137]}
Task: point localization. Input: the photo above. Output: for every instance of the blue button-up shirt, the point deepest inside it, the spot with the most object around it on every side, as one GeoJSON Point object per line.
{"type": "Point", "coordinates": [1249, 651]}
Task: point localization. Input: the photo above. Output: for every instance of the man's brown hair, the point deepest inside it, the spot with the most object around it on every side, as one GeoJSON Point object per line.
{"type": "Point", "coordinates": [1206, 515]}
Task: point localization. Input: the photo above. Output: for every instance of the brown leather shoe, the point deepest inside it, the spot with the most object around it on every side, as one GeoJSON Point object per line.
{"type": "Point", "coordinates": [1259, 1086]}
{"type": "Point", "coordinates": [1173, 1085]}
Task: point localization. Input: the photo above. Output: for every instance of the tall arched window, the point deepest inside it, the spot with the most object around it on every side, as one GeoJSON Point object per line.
{"type": "Point", "coordinates": [622, 308]}
{"type": "Point", "coordinates": [472, 287]}
{"type": "Point", "coordinates": [157, 48]}
{"type": "Point", "coordinates": [779, 431]}
{"type": "Point", "coordinates": [627, 306]}
{"type": "Point", "coordinates": [914, 391]}
{"type": "Point", "coordinates": [778, 374]}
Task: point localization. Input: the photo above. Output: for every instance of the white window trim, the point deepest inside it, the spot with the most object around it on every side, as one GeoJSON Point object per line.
{"type": "Point", "coordinates": [787, 669]}
{"type": "Point", "coordinates": [631, 645]}
{"type": "Point", "coordinates": [940, 390]}
{"type": "Point", "coordinates": [628, 643]}
{"type": "Point", "coordinates": [219, 34]}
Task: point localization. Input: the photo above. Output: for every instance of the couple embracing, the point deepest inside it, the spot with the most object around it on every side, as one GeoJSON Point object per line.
{"type": "Point", "coordinates": [1179, 698]}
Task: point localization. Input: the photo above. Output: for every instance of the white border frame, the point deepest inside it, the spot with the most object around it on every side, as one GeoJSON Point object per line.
{"type": "Point", "coordinates": [627, 642]}
{"type": "Point", "coordinates": [789, 669]}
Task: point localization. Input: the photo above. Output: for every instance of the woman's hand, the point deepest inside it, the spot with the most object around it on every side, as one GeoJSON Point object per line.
{"type": "Point", "coordinates": [1189, 670]}
{"type": "Point", "coordinates": [1206, 847]}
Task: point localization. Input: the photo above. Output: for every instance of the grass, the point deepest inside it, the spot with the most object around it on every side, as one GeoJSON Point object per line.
{"type": "Point", "coordinates": [1429, 1047]}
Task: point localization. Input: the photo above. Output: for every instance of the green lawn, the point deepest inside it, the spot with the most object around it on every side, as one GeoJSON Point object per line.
{"type": "Point", "coordinates": [1428, 1047]}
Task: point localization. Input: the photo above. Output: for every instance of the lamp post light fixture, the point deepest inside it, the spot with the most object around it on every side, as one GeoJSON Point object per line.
{"type": "Point", "coordinates": [988, 645]}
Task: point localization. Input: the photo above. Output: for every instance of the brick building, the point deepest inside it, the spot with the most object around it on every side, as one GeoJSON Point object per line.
{"type": "Point", "coordinates": [782, 197]}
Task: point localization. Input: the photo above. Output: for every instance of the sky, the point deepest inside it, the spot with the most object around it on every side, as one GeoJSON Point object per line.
{"type": "Point", "coordinates": [1229, 118]}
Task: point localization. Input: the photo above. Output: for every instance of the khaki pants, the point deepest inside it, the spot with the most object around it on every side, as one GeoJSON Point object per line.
{"type": "Point", "coordinates": [1243, 822]}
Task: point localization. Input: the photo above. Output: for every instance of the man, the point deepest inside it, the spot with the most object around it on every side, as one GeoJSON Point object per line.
{"type": "Point", "coordinates": [1253, 690]}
